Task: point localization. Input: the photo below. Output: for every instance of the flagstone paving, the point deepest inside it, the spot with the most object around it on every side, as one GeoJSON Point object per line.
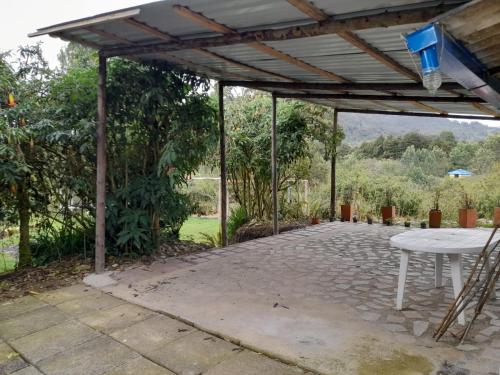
{"type": "Point", "coordinates": [81, 331]}
{"type": "Point", "coordinates": [306, 296]}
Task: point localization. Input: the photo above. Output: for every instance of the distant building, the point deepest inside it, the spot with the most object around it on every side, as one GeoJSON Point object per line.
{"type": "Point", "coordinates": [457, 173]}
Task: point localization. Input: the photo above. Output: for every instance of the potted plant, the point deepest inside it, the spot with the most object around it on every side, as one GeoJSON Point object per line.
{"type": "Point", "coordinates": [369, 218]}
{"type": "Point", "coordinates": [435, 213]}
{"type": "Point", "coordinates": [496, 215]}
{"type": "Point", "coordinates": [346, 207]}
{"type": "Point", "coordinates": [388, 209]}
{"type": "Point", "coordinates": [423, 225]}
{"type": "Point", "coordinates": [314, 212]}
{"type": "Point", "coordinates": [354, 219]}
{"type": "Point", "coordinates": [407, 222]}
{"type": "Point", "coordinates": [467, 215]}
{"type": "Point", "coordinates": [388, 222]}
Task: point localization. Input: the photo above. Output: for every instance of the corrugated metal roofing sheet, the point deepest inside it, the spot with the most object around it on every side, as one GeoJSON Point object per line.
{"type": "Point", "coordinates": [330, 53]}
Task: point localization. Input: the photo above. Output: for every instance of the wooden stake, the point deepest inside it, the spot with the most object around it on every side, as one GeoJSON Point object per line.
{"type": "Point", "coordinates": [100, 226]}
{"type": "Point", "coordinates": [274, 169]}
{"type": "Point", "coordinates": [223, 180]}
{"type": "Point", "coordinates": [333, 177]}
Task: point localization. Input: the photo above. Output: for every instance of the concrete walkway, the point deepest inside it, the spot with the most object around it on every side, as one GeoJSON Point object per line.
{"type": "Point", "coordinates": [80, 330]}
{"type": "Point", "coordinates": [322, 298]}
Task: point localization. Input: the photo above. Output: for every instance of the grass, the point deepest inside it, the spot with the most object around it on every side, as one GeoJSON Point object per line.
{"type": "Point", "coordinates": [194, 227]}
{"type": "Point", "coordinates": [7, 263]}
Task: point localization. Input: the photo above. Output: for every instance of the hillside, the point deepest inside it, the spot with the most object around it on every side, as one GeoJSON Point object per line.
{"type": "Point", "coordinates": [360, 127]}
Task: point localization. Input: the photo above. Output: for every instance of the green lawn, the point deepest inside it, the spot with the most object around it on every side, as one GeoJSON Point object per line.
{"type": "Point", "coordinates": [194, 227]}
{"type": "Point", "coordinates": [7, 263]}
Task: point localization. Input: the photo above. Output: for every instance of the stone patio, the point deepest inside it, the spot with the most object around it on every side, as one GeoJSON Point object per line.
{"type": "Point", "coordinates": [80, 330]}
{"type": "Point", "coordinates": [322, 298]}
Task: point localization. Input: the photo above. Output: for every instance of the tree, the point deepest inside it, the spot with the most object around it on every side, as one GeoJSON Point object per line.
{"type": "Point", "coordinates": [462, 155]}
{"type": "Point", "coordinates": [249, 147]}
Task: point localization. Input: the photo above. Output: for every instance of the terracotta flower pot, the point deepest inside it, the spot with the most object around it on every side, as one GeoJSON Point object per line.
{"type": "Point", "coordinates": [315, 221]}
{"type": "Point", "coordinates": [467, 217]}
{"type": "Point", "coordinates": [435, 218]}
{"type": "Point", "coordinates": [496, 216]}
{"type": "Point", "coordinates": [346, 212]}
{"type": "Point", "coordinates": [388, 212]}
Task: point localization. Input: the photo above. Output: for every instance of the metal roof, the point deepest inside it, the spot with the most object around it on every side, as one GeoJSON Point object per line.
{"type": "Point", "coordinates": [182, 31]}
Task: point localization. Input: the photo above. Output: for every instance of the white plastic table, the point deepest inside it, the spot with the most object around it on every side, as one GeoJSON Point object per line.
{"type": "Point", "coordinates": [452, 242]}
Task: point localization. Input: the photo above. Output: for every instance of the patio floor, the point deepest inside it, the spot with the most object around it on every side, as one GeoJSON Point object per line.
{"type": "Point", "coordinates": [322, 298]}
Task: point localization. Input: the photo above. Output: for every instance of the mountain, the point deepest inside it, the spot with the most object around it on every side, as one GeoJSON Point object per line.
{"type": "Point", "coordinates": [362, 127]}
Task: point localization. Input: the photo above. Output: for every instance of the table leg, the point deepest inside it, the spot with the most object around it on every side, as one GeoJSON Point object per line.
{"type": "Point", "coordinates": [438, 271]}
{"type": "Point", "coordinates": [456, 277]}
{"type": "Point", "coordinates": [403, 268]}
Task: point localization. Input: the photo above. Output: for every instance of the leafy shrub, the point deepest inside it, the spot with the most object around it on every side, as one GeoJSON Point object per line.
{"type": "Point", "coordinates": [237, 219]}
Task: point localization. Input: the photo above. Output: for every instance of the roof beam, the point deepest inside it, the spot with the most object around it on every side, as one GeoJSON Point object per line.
{"type": "Point", "coordinates": [338, 86]}
{"type": "Point", "coordinates": [310, 9]}
{"type": "Point", "coordinates": [150, 30]}
{"type": "Point", "coordinates": [417, 114]}
{"type": "Point", "coordinates": [391, 98]}
{"type": "Point", "coordinates": [378, 55]}
{"type": "Point", "coordinates": [227, 60]}
{"type": "Point", "coordinates": [107, 35]}
{"type": "Point", "coordinates": [391, 17]}
{"type": "Point", "coordinates": [484, 109]}
{"type": "Point", "coordinates": [426, 107]}
{"type": "Point", "coordinates": [294, 61]}
{"type": "Point", "coordinates": [202, 20]}
{"type": "Point", "coordinates": [215, 26]}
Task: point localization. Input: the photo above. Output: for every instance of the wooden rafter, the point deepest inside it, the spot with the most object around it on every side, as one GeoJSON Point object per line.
{"type": "Point", "coordinates": [395, 98]}
{"type": "Point", "coordinates": [73, 38]}
{"type": "Point", "coordinates": [418, 114]}
{"type": "Point", "coordinates": [326, 86]}
{"type": "Point", "coordinates": [107, 35]}
{"type": "Point", "coordinates": [150, 30]}
{"type": "Point", "coordinates": [310, 9]}
{"type": "Point", "coordinates": [202, 20]}
{"type": "Point", "coordinates": [378, 55]}
{"type": "Point", "coordinates": [484, 109]}
{"type": "Point", "coordinates": [426, 107]}
{"type": "Point", "coordinates": [239, 64]}
{"type": "Point", "coordinates": [214, 26]}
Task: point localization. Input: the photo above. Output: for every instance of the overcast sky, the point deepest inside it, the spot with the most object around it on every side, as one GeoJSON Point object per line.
{"type": "Point", "coordinates": [18, 18]}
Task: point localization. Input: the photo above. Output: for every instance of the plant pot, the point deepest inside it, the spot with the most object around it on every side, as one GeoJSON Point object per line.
{"type": "Point", "coordinates": [423, 225]}
{"type": "Point", "coordinates": [388, 213]}
{"type": "Point", "coordinates": [369, 220]}
{"type": "Point", "coordinates": [346, 212]}
{"type": "Point", "coordinates": [435, 218]}
{"type": "Point", "coordinates": [354, 219]}
{"type": "Point", "coordinates": [496, 216]}
{"type": "Point", "coordinates": [315, 221]}
{"type": "Point", "coordinates": [467, 217]}
{"type": "Point", "coordinates": [388, 222]}
{"type": "Point", "coordinates": [407, 224]}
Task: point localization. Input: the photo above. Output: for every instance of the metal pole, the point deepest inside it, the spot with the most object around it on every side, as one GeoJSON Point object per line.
{"type": "Point", "coordinates": [223, 181]}
{"type": "Point", "coordinates": [100, 225]}
{"type": "Point", "coordinates": [274, 170]}
{"type": "Point", "coordinates": [333, 178]}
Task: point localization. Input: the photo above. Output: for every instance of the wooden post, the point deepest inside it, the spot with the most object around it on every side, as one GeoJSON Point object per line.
{"type": "Point", "coordinates": [333, 178]}
{"type": "Point", "coordinates": [274, 170]}
{"type": "Point", "coordinates": [223, 180]}
{"type": "Point", "coordinates": [100, 225]}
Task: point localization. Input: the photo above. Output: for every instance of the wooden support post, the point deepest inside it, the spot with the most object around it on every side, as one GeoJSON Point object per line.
{"type": "Point", "coordinates": [274, 169]}
{"type": "Point", "coordinates": [100, 225]}
{"type": "Point", "coordinates": [223, 180]}
{"type": "Point", "coordinates": [333, 178]}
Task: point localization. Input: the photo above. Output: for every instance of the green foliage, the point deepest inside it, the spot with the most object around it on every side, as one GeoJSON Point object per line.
{"type": "Point", "coordinates": [203, 195]}
{"type": "Point", "coordinates": [249, 145]}
{"type": "Point", "coordinates": [236, 220]}
{"type": "Point", "coordinates": [193, 228]}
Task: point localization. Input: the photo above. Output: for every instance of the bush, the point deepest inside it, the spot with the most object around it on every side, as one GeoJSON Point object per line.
{"type": "Point", "coordinates": [237, 219]}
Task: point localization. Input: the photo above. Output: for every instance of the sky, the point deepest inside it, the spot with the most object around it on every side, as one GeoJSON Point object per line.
{"type": "Point", "coordinates": [18, 18]}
